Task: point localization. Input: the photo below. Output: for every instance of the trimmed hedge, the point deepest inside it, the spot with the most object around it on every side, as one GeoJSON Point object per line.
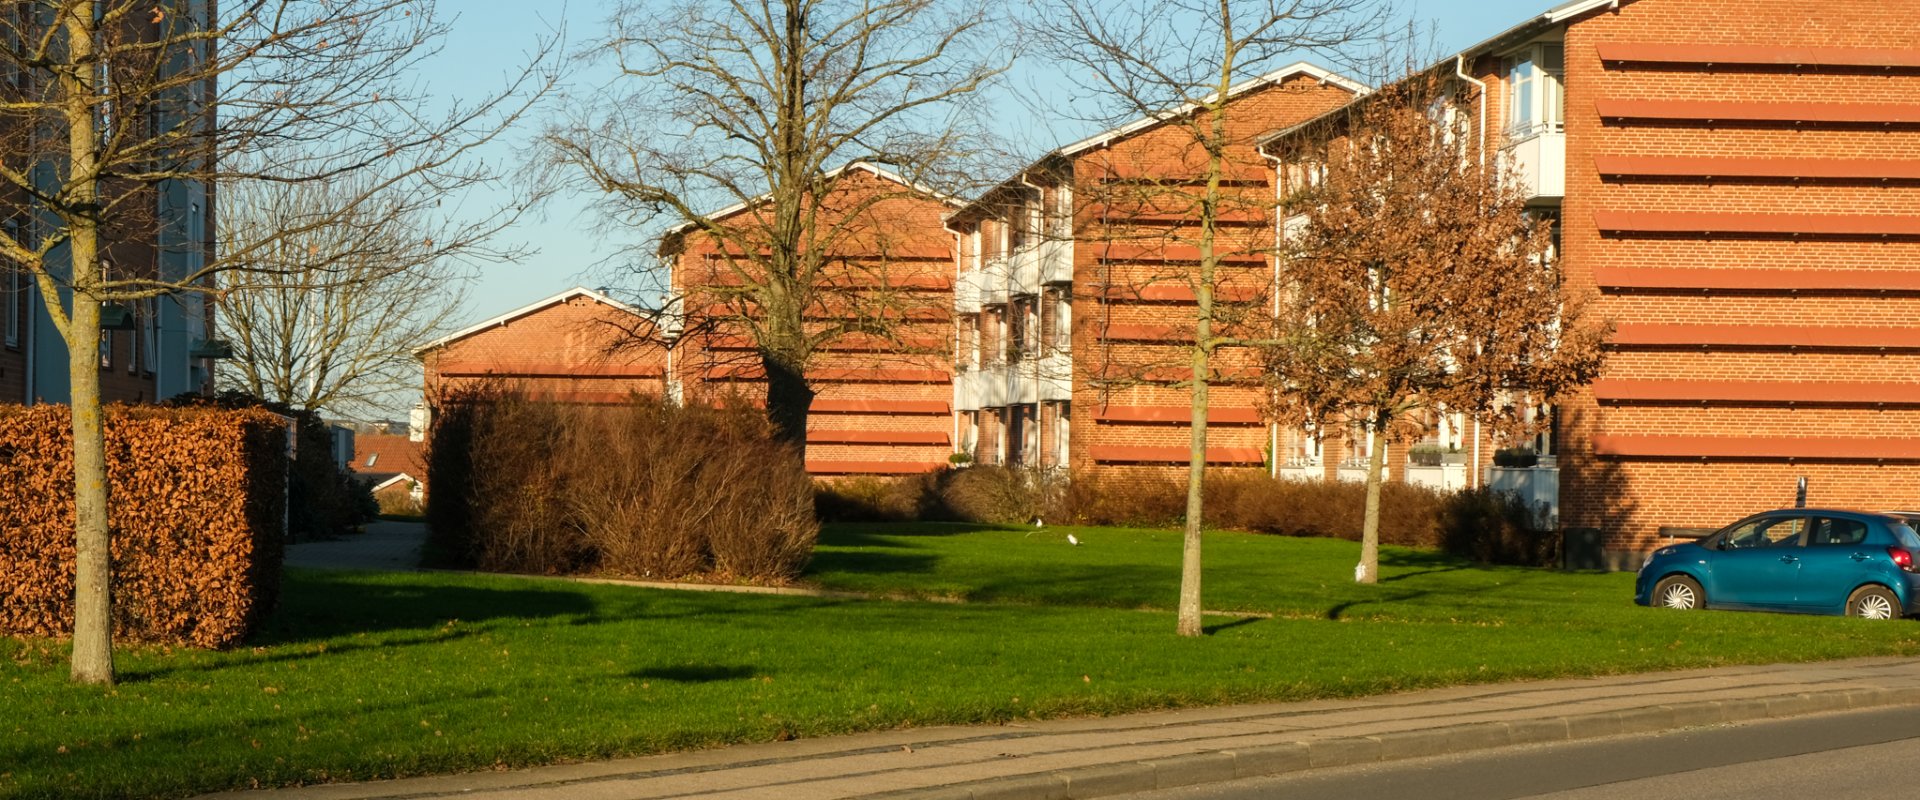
{"type": "Point", "coordinates": [198, 508]}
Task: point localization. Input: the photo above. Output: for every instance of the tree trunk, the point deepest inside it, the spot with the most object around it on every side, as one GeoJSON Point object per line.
{"type": "Point", "coordinates": [1369, 569]}
{"type": "Point", "coordinates": [1190, 623]}
{"type": "Point", "coordinates": [789, 399]}
{"type": "Point", "coordinates": [93, 553]}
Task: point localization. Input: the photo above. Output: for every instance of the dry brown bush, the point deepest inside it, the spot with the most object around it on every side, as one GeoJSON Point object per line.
{"type": "Point", "coordinates": [644, 488]}
{"type": "Point", "coordinates": [198, 521]}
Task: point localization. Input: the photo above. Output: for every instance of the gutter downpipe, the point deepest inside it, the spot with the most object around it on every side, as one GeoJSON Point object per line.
{"type": "Point", "coordinates": [1460, 71]}
{"type": "Point", "coordinates": [1040, 202]}
{"type": "Point", "coordinates": [948, 227]}
{"type": "Point", "coordinates": [1273, 291]}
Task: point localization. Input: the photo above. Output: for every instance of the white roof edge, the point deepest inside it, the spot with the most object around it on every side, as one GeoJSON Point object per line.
{"type": "Point", "coordinates": [393, 480]}
{"type": "Point", "coordinates": [577, 291]}
{"type": "Point", "coordinates": [1309, 69]}
{"type": "Point", "coordinates": [877, 170]}
{"type": "Point", "coordinates": [1567, 11]}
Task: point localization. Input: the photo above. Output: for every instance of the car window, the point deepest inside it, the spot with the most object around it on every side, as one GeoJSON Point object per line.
{"type": "Point", "coordinates": [1766, 532]}
{"type": "Point", "coordinates": [1908, 538]}
{"type": "Point", "coordinates": [1829, 530]}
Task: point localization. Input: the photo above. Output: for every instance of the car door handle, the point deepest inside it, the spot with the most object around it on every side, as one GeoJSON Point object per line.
{"type": "Point", "coordinates": [1861, 556]}
{"type": "Point", "coordinates": [1789, 559]}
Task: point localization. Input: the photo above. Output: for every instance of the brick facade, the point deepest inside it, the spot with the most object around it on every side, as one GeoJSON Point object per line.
{"type": "Point", "coordinates": [578, 346]}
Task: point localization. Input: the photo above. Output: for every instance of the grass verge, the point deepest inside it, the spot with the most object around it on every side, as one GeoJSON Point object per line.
{"type": "Point", "coordinates": [371, 675]}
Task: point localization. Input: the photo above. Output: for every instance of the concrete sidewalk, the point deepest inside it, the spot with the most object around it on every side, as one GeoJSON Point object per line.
{"type": "Point", "coordinates": [1101, 757]}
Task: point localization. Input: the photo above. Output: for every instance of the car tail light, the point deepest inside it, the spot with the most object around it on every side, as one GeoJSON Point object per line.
{"type": "Point", "coordinates": [1902, 558]}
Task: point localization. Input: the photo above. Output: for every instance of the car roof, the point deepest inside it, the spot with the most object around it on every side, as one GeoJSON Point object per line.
{"type": "Point", "coordinates": [1837, 511]}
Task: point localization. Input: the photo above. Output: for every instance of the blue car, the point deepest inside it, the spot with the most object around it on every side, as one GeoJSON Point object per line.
{"type": "Point", "coordinates": [1803, 560]}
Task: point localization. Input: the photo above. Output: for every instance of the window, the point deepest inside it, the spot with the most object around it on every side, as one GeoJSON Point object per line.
{"type": "Point", "coordinates": [1535, 96]}
{"type": "Point", "coordinates": [13, 291]}
{"type": "Point", "coordinates": [1063, 415]}
{"type": "Point", "coordinates": [1838, 532]}
{"type": "Point", "coordinates": [106, 349]}
{"type": "Point", "coordinates": [1062, 321]}
{"type": "Point", "coordinates": [150, 329]}
{"type": "Point", "coordinates": [1767, 532]}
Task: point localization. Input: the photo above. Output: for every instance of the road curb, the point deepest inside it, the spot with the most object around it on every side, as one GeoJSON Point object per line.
{"type": "Point", "coordinates": [1105, 780]}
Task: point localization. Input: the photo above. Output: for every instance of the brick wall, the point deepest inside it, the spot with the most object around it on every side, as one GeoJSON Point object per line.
{"type": "Point", "coordinates": [882, 405]}
{"type": "Point", "coordinates": [577, 350]}
{"type": "Point", "coordinates": [1630, 495]}
{"type": "Point", "coordinates": [1133, 296]}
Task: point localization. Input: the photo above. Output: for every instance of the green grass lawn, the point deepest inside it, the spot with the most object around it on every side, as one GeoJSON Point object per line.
{"type": "Point", "coordinates": [370, 675]}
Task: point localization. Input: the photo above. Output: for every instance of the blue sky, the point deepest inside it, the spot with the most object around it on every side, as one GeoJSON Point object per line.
{"type": "Point", "coordinates": [490, 36]}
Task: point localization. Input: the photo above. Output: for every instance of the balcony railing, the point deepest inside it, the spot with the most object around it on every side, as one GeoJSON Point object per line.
{"type": "Point", "coordinates": [967, 291]}
{"type": "Point", "coordinates": [1540, 163]}
{"type": "Point", "coordinates": [993, 277]}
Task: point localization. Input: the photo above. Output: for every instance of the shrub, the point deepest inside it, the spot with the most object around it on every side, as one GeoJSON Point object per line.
{"type": "Point", "coordinates": [197, 520]}
{"type": "Point", "coordinates": [646, 488]}
{"type": "Point", "coordinates": [1494, 528]}
{"type": "Point", "coordinates": [866, 498]}
{"type": "Point", "coordinates": [1515, 457]}
{"type": "Point", "coordinates": [1136, 498]}
{"type": "Point", "coordinates": [323, 499]}
{"type": "Point", "coordinates": [994, 494]}
{"type": "Point", "coordinates": [1252, 501]}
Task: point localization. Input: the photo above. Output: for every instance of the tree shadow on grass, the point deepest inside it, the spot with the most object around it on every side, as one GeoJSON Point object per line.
{"type": "Point", "coordinates": [1340, 610]}
{"type": "Point", "coordinates": [889, 534]}
{"type": "Point", "coordinates": [1420, 562]}
{"type": "Point", "coordinates": [870, 563]}
{"type": "Point", "coordinates": [1221, 626]}
{"type": "Point", "coordinates": [316, 605]}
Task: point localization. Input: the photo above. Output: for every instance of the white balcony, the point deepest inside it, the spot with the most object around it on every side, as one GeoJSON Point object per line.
{"type": "Point", "coordinates": [978, 388]}
{"type": "Point", "coordinates": [1540, 164]}
{"type": "Point", "coordinates": [1056, 376]}
{"type": "Point", "coordinates": [1025, 266]}
{"type": "Point", "coordinates": [993, 281]}
{"type": "Point", "coordinates": [1056, 260]}
{"type": "Point", "coordinates": [967, 290]}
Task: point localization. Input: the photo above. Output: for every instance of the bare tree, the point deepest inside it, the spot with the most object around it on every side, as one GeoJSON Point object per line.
{"type": "Point", "coordinates": [1416, 282]}
{"type": "Point", "coordinates": [1184, 63]}
{"type": "Point", "coordinates": [328, 320]}
{"type": "Point", "coordinates": [754, 108]}
{"type": "Point", "coordinates": [126, 115]}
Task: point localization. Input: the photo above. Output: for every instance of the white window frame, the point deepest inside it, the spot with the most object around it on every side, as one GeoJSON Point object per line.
{"type": "Point", "coordinates": [1542, 92]}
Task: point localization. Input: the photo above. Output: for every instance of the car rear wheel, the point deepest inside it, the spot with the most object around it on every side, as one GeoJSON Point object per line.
{"type": "Point", "coordinates": [1679, 591]}
{"type": "Point", "coordinates": [1873, 602]}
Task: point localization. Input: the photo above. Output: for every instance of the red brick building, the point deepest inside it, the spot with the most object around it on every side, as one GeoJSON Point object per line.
{"type": "Point", "coordinates": [1738, 183]}
{"type": "Point", "coordinates": [1074, 300]}
{"type": "Point", "coordinates": [882, 401]}
{"type": "Point", "coordinates": [152, 349]}
{"type": "Point", "coordinates": [578, 346]}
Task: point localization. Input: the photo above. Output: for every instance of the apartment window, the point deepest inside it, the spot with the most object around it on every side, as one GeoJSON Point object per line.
{"type": "Point", "coordinates": [13, 291]}
{"type": "Point", "coordinates": [1062, 321]}
{"type": "Point", "coordinates": [13, 38]}
{"type": "Point", "coordinates": [1063, 413]}
{"type": "Point", "coordinates": [106, 349]}
{"type": "Point", "coordinates": [150, 330]}
{"type": "Point", "coordinates": [1536, 98]}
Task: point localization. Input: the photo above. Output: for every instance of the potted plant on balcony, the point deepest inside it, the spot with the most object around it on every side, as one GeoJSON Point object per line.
{"type": "Point", "coordinates": [1425, 455]}
{"type": "Point", "coordinates": [1453, 455]}
{"type": "Point", "coordinates": [960, 460]}
{"type": "Point", "coordinates": [1515, 457]}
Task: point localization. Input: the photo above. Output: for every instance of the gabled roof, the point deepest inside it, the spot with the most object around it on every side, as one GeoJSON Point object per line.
{"type": "Point", "coordinates": [381, 454]}
{"type": "Point", "coordinates": [1102, 139]}
{"type": "Point", "coordinates": [1269, 79]}
{"type": "Point", "coordinates": [877, 171]}
{"type": "Point", "coordinates": [1516, 35]}
{"type": "Point", "coordinates": [577, 291]}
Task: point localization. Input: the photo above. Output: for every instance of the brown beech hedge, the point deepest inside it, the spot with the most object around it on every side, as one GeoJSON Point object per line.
{"type": "Point", "coordinates": [198, 501]}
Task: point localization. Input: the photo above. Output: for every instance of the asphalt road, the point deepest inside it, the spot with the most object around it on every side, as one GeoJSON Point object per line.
{"type": "Point", "coordinates": [1869, 754]}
